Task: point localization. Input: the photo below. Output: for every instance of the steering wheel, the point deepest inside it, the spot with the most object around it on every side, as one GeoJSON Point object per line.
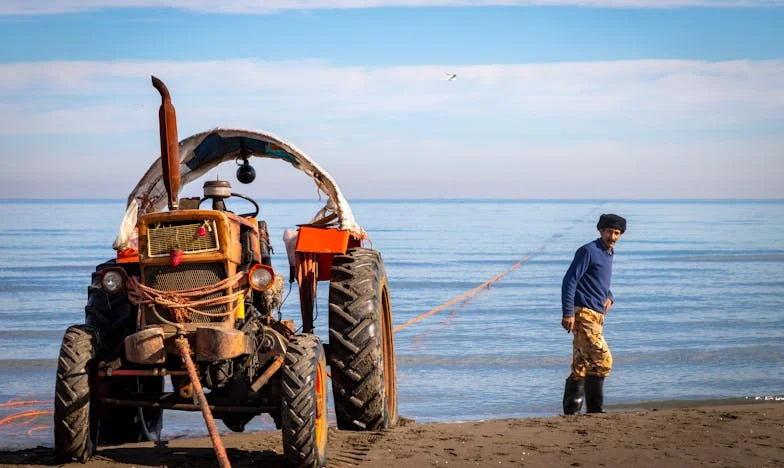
{"type": "Point", "coordinates": [252, 214]}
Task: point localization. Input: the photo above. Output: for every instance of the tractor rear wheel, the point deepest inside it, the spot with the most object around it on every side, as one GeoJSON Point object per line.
{"type": "Point", "coordinates": [361, 347]}
{"type": "Point", "coordinates": [73, 428]}
{"type": "Point", "coordinates": [304, 402]}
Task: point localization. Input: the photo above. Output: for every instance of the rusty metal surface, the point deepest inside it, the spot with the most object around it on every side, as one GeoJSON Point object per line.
{"type": "Point", "coordinates": [214, 344]}
{"type": "Point", "coordinates": [264, 378]}
{"type": "Point", "coordinates": [170, 147]}
{"type": "Point", "coordinates": [146, 347]}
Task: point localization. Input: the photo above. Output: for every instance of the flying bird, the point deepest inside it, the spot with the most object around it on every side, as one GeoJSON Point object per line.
{"type": "Point", "coordinates": [450, 76]}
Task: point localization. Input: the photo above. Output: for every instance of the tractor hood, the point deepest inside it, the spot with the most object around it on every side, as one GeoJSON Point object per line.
{"type": "Point", "coordinates": [201, 152]}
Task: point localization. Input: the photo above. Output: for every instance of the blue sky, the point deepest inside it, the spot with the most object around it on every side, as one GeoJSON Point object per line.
{"type": "Point", "coordinates": [553, 99]}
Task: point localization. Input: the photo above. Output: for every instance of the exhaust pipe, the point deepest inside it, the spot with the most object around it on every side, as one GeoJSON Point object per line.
{"type": "Point", "coordinates": [170, 147]}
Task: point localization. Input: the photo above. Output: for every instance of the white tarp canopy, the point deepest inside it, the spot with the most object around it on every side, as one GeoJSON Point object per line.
{"type": "Point", "coordinates": [201, 152]}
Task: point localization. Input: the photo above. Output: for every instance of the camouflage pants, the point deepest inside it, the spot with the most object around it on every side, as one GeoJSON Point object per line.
{"type": "Point", "coordinates": [590, 353]}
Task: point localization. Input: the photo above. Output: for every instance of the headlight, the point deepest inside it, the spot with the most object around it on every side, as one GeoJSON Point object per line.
{"type": "Point", "coordinates": [112, 281]}
{"type": "Point", "coordinates": [261, 277]}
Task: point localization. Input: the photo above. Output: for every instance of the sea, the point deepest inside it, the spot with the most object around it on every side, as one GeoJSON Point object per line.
{"type": "Point", "coordinates": [698, 285]}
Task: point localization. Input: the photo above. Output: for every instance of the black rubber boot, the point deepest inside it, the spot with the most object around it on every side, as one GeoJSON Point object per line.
{"type": "Point", "coordinates": [594, 394]}
{"type": "Point", "coordinates": [574, 393]}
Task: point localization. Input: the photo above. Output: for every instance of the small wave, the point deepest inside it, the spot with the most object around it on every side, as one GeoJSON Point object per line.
{"type": "Point", "coordinates": [735, 258]}
{"type": "Point", "coordinates": [676, 356]}
{"type": "Point", "coordinates": [709, 257]}
{"type": "Point", "coordinates": [48, 287]}
{"type": "Point", "coordinates": [47, 268]}
{"type": "Point", "coordinates": [25, 232]}
{"type": "Point", "coordinates": [28, 364]}
{"type": "Point", "coordinates": [24, 334]}
{"type": "Point", "coordinates": [481, 360]}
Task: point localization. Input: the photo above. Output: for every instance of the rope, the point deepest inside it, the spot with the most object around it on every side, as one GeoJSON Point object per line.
{"type": "Point", "coordinates": [184, 302]}
{"type": "Point", "coordinates": [217, 444]}
{"type": "Point", "coordinates": [468, 294]}
{"type": "Point", "coordinates": [417, 340]}
{"type": "Point", "coordinates": [486, 285]}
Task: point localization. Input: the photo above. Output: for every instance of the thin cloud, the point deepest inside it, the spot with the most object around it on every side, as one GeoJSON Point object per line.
{"type": "Point", "coordinates": [653, 91]}
{"type": "Point", "coordinates": [639, 127]}
{"type": "Point", "coordinates": [46, 7]}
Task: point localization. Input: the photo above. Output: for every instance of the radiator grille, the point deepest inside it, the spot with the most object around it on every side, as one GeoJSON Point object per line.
{"type": "Point", "coordinates": [184, 236]}
{"type": "Point", "coordinates": [187, 276]}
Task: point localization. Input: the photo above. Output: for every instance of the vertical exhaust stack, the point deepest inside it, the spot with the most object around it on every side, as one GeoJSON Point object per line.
{"type": "Point", "coordinates": [170, 148]}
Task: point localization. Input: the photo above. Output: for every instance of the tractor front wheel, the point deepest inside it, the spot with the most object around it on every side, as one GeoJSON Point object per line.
{"type": "Point", "coordinates": [362, 351]}
{"type": "Point", "coordinates": [73, 428]}
{"type": "Point", "coordinates": [304, 402]}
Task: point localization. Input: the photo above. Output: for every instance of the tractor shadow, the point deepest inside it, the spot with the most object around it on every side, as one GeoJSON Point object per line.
{"type": "Point", "coordinates": [149, 456]}
{"type": "Point", "coordinates": [190, 456]}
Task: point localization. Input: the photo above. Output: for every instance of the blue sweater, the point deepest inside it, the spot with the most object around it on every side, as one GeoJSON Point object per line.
{"type": "Point", "coordinates": [587, 281]}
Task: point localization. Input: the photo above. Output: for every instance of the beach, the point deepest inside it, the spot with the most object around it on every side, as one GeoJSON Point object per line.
{"type": "Point", "coordinates": [501, 357]}
{"type": "Point", "coordinates": [723, 433]}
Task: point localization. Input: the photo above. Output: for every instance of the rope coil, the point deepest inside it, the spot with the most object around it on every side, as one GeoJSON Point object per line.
{"type": "Point", "coordinates": [185, 302]}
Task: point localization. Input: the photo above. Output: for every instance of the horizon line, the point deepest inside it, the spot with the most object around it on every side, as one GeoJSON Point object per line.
{"type": "Point", "coordinates": [438, 199]}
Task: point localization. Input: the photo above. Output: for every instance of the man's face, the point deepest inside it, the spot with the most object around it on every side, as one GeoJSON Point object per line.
{"type": "Point", "coordinates": [610, 236]}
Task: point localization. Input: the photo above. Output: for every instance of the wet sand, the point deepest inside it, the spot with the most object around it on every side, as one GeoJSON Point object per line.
{"type": "Point", "coordinates": [723, 433]}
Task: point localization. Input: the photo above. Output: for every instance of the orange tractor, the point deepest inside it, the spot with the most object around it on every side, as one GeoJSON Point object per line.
{"type": "Point", "coordinates": [192, 295]}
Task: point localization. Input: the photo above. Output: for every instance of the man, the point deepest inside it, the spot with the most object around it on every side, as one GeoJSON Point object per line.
{"type": "Point", "coordinates": [585, 300]}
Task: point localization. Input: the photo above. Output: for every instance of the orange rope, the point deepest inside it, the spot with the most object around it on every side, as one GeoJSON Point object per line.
{"type": "Point", "coordinates": [26, 414]}
{"type": "Point", "coordinates": [468, 294]}
{"type": "Point", "coordinates": [182, 301]}
{"type": "Point", "coordinates": [20, 398]}
{"type": "Point", "coordinates": [37, 428]}
{"type": "Point", "coordinates": [307, 277]}
{"type": "Point", "coordinates": [417, 340]}
{"type": "Point", "coordinates": [23, 403]}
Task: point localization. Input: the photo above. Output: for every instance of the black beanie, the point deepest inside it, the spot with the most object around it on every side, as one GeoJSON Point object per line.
{"type": "Point", "coordinates": [612, 221]}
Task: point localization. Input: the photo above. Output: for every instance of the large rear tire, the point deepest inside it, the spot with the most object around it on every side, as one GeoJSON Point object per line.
{"type": "Point", "coordinates": [304, 402]}
{"type": "Point", "coordinates": [361, 347]}
{"type": "Point", "coordinates": [73, 428]}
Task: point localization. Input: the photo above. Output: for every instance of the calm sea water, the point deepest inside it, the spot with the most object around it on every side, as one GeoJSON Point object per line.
{"type": "Point", "coordinates": [699, 288]}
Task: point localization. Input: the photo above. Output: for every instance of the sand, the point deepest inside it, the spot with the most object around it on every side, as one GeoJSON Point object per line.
{"type": "Point", "coordinates": [726, 433]}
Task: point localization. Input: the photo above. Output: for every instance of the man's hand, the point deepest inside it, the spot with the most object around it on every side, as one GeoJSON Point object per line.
{"type": "Point", "coordinates": [607, 305]}
{"type": "Point", "coordinates": [568, 324]}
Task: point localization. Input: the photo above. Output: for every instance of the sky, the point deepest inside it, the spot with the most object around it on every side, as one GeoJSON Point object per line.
{"type": "Point", "coordinates": [559, 99]}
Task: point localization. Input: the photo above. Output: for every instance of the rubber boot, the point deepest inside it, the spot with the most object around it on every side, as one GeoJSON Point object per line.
{"type": "Point", "coordinates": [574, 393]}
{"type": "Point", "coordinates": [594, 394]}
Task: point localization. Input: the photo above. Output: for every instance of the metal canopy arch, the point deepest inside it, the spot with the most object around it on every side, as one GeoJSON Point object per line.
{"type": "Point", "coordinates": [203, 151]}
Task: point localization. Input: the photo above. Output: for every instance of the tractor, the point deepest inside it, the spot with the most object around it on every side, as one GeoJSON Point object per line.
{"type": "Point", "coordinates": [192, 295]}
